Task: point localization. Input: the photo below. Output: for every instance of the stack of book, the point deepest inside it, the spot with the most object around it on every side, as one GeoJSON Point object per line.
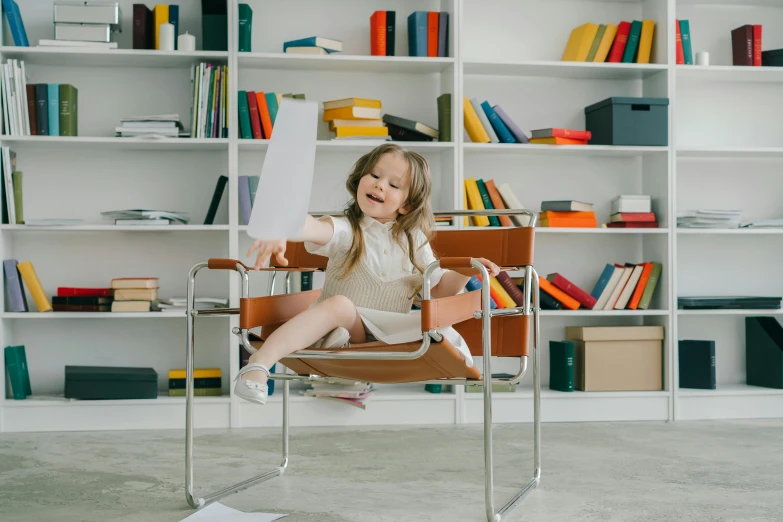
{"type": "Point", "coordinates": [485, 123]}
{"type": "Point", "coordinates": [632, 212]}
{"type": "Point", "coordinates": [567, 214]}
{"type": "Point", "coordinates": [428, 34]}
{"type": "Point", "coordinates": [151, 126]}
{"type": "Point", "coordinates": [355, 118]}
{"type": "Point", "coordinates": [16, 97]}
{"type": "Point", "coordinates": [352, 393]}
{"type": "Point", "coordinates": [135, 294]}
{"type": "Point", "coordinates": [77, 299]}
{"type": "Point", "coordinates": [709, 218]}
{"type": "Point", "coordinates": [258, 113]}
{"type": "Point", "coordinates": [628, 42]}
{"type": "Point", "coordinates": [560, 137]}
{"type": "Point", "coordinates": [483, 195]}
{"type": "Point", "coordinates": [313, 45]}
{"type": "Point", "coordinates": [209, 105]}
{"type": "Point", "coordinates": [443, 221]}
{"type": "Point", "coordinates": [145, 217]}
{"type": "Point", "coordinates": [383, 26]}
{"type": "Point", "coordinates": [207, 382]}
{"type": "Point", "coordinates": [85, 24]}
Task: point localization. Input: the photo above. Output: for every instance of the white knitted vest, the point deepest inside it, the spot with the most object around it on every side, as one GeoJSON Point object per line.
{"type": "Point", "coordinates": [366, 290]}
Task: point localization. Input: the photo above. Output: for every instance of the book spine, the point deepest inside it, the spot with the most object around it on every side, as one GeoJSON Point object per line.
{"type": "Point", "coordinates": [216, 197]}
{"type": "Point", "coordinates": [13, 285]}
{"type": "Point", "coordinates": [513, 290]}
{"type": "Point", "coordinates": [161, 16]}
{"type": "Point", "coordinates": [742, 45]}
{"type": "Point", "coordinates": [40, 95]}
{"type": "Point", "coordinates": [562, 133]}
{"type": "Point", "coordinates": [263, 113]}
{"type": "Point", "coordinates": [687, 48]}
{"type": "Point", "coordinates": [475, 203]}
{"type": "Point", "coordinates": [16, 367]}
{"type": "Point", "coordinates": [645, 41]}
{"type": "Point", "coordinates": [757, 45]}
{"type": "Point", "coordinates": [629, 56]}
{"type": "Point", "coordinates": [493, 220]}
{"type": "Point", "coordinates": [585, 299]}
{"type": "Point", "coordinates": [561, 366]}
{"type": "Point", "coordinates": [141, 25]}
{"type": "Point", "coordinates": [34, 286]}
{"type": "Point", "coordinates": [244, 199]}
{"type": "Point", "coordinates": [245, 28]}
{"type": "Point", "coordinates": [475, 130]}
{"type": "Point", "coordinates": [378, 33]}
{"type": "Point", "coordinates": [636, 297]}
{"type": "Point", "coordinates": [54, 113]}
{"type": "Point", "coordinates": [391, 27]}
{"type": "Point", "coordinates": [512, 127]}
{"type": "Point", "coordinates": [244, 116]}
{"type": "Point", "coordinates": [69, 110]}
{"type": "Point", "coordinates": [443, 34]}
{"type": "Point", "coordinates": [474, 284]}
{"type": "Point", "coordinates": [655, 274]}
{"type": "Point", "coordinates": [620, 42]}
{"type": "Point", "coordinates": [174, 20]}
{"type": "Point", "coordinates": [680, 56]}
{"type": "Point", "coordinates": [255, 119]}
{"type": "Point", "coordinates": [497, 124]}
{"type": "Point", "coordinates": [497, 202]}
{"type": "Point", "coordinates": [15, 23]}
{"type": "Point", "coordinates": [566, 300]}
{"type": "Point", "coordinates": [444, 117]}
{"type": "Point", "coordinates": [482, 116]}
{"type": "Point", "coordinates": [83, 292]}
{"type": "Point", "coordinates": [432, 34]}
{"type": "Point", "coordinates": [271, 103]}
{"type": "Point", "coordinates": [306, 281]}
{"type": "Point", "coordinates": [18, 200]}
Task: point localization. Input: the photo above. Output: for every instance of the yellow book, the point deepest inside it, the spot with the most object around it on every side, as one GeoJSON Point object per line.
{"type": "Point", "coordinates": [345, 132]}
{"type": "Point", "coordinates": [475, 203]}
{"type": "Point", "coordinates": [198, 373]}
{"type": "Point", "coordinates": [476, 131]}
{"type": "Point", "coordinates": [352, 102]}
{"type": "Point", "coordinates": [465, 203]}
{"type": "Point", "coordinates": [34, 286]}
{"type": "Point", "coordinates": [606, 43]}
{"type": "Point", "coordinates": [160, 15]}
{"type": "Point", "coordinates": [352, 113]}
{"type": "Point", "coordinates": [645, 41]}
{"type": "Point", "coordinates": [497, 287]}
{"type": "Point", "coordinates": [579, 43]}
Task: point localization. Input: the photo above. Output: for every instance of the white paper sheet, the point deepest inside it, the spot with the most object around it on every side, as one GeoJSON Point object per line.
{"type": "Point", "coordinates": [283, 194]}
{"type": "Point", "coordinates": [217, 512]}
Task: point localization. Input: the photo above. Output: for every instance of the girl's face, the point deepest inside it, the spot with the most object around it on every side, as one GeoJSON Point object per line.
{"type": "Point", "coordinates": [383, 193]}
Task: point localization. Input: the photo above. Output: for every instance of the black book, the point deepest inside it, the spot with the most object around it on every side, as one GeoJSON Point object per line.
{"type": "Point", "coordinates": [697, 364]}
{"type": "Point", "coordinates": [391, 26]}
{"type": "Point", "coordinates": [216, 197]}
{"type": "Point", "coordinates": [42, 108]}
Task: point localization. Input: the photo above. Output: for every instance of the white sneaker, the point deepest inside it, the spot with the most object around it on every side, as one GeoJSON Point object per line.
{"type": "Point", "coordinates": [251, 390]}
{"type": "Point", "coordinates": [337, 338]}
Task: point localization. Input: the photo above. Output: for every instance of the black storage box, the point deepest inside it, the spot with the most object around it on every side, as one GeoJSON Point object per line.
{"type": "Point", "coordinates": [764, 352]}
{"type": "Point", "coordinates": [629, 121]}
{"type": "Point", "coordinates": [772, 58]}
{"type": "Point", "coordinates": [110, 382]}
{"type": "Point", "coordinates": [697, 364]}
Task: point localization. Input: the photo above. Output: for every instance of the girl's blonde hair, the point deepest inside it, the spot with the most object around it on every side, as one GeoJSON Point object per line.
{"type": "Point", "coordinates": [418, 217]}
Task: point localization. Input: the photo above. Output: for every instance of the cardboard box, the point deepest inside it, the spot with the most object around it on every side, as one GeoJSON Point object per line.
{"type": "Point", "coordinates": [618, 358]}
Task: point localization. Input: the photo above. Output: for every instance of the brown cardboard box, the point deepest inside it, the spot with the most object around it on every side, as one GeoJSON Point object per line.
{"type": "Point", "coordinates": [618, 358]}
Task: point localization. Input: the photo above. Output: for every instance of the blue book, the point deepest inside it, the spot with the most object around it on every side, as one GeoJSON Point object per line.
{"type": "Point", "coordinates": [633, 42]}
{"type": "Point", "coordinates": [687, 48]}
{"type": "Point", "coordinates": [54, 109]}
{"type": "Point", "coordinates": [500, 128]}
{"type": "Point", "coordinates": [417, 33]}
{"type": "Point", "coordinates": [603, 280]}
{"type": "Point", "coordinates": [245, 204]}
{"type": "Point", "coordinates": [271, 103]}
{"type": "Point", "coordinates": [330, 45]}
{"type": "Point", "coordinates": [13, 286]}
{"type": "Point", "coordinates": [15, 23]}
{"type": "Point", "coordinates": [174, 20]}
{"type": "Point", "coordinates": [475, 284]}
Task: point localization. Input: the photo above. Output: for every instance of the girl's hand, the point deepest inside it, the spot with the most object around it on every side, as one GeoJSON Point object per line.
{"type": "Point", "coordinates": [492, 268]}
{"type": "Point", "coordinates": [265, 251]}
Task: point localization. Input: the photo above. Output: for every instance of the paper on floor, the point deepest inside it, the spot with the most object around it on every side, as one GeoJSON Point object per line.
{"type": "Point", "coordinates": [283, 194]}
{"type": "Point", "coordinates": [217, 512]}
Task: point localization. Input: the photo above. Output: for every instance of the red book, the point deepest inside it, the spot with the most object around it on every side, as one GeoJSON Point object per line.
{"type": "Point", "coordinates": [584, 298]}
{"type": "Point", "coordinates": [633, 217]}
{"type": "Point", "coordinates": [678, 38]}
{"type": "Point", "coordinates": [432, 34]}
{"type": "Point", "coordinates": [378, 33]}
{"type": "Point", "coordinates": [255, 120]}
{"type": "Point", "coordinates": [83, 292]}
{"type": "Point", "coordinates": [618, 47]}
{"type": "Point", "coordinates": [757, 45]}
{"type": "Point", "coordinates": [633, 224]}
{"type": "Point", "coordinates": [563, 133]}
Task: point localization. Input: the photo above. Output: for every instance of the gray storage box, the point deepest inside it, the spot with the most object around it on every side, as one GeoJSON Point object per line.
{"type": "Point", "coordinates": [628, 121]}
{"type": "Point", "coordinates": [88, 12]}
{"type": "Point", "coordinates": [82, 32]}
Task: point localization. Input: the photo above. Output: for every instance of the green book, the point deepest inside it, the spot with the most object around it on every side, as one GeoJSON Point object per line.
{"type": "Point", "coordinates": [493, 220]}
{"type": "Point", "coordinates": [271, 103]}
{"type": "Point", "coordinates": [69, 110]}
{"type": "Point", "coordinates": [444, 117]}
{"type": "Point", "coordinates": [253, 182]}
{"type": "Point", "coordinates": [561, 366]}
{"type": "Point", "coordinates": [18, 199]}
{"type": "Point", "coordinates": [245, 28]}
{"type": "Point", "coordinates": [596, 42]}
{"type": "Point", "coordinates": [629, 56]}
{"type": "Point", "coordinates": [197, 392]}
{"type": "Point", "coordinates": [644, 302]}
{"type": "Point", "coordinates": [246, 132]}
{"type": "Point", "coordinates": [18, 375]}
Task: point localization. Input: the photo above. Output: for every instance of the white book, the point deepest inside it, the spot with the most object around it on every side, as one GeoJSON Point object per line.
{"type": "Point", "coordinates": [77, 43]}
{"type": "Point", "coordinates": [8, 179]}
{"type": "Point", "coordinates": [306, 50]}
{"type": "Point", "coordinates": [615, 295]}
{"type": "Point", "coordinates": [630, 286]}
{"type": "Point", "coordinates": [25, 102]}
{"type": "Point", "coordinates": [142, 222]}
{"type": "Point", "coordinates": [512, 203]}
{"type": "Point", "coordinates": [493, 137]}
{"type": "Point", "coordinates": [608, 289]}
{"type": "Point", "coordinates": [4, 85]}
{"type": "Point", "coordinates": [631, 204]}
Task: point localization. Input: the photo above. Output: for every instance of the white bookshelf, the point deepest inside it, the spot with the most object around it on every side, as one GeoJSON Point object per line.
{"type": "Point", "coordinates": [504, 51]}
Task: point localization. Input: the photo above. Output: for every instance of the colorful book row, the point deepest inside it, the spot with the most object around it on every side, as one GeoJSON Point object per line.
{"type": "Point", "coordinates": [258, 112]}
{"type": "Point", "coordinates": [627, 42]}
{"type": "Point", "coordinates": [483, 195]}
{"type": "Point", "coordinates": [490, 124]}
{"type": "Point", "coordinates": [428, 34]}
{"type": "Point", "coordinates": [210, 101]}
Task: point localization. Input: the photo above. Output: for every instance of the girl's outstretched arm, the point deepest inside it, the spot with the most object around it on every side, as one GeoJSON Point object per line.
{"type": "Point", "coordinates": [314, 231]}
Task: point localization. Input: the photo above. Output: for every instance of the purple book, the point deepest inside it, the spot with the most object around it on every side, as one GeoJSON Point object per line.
{"type": "Point", "coordinates": [13, 285]}
{"type": "Point", "coordinates": [245, 205]}
{"type": "Point", "coordinates": [512, 127]}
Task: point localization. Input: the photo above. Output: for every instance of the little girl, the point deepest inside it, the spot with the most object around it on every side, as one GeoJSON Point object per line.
{"type": "Point", "coordinates": [377, 255]}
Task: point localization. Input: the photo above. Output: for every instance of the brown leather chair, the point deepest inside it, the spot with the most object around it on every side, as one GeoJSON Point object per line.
{"type": "Point", "coordinates": [501, 332]}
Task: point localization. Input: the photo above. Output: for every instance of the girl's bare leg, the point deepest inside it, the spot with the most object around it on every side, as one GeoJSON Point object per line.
{"type": "Point", "coordinates": [305, 329]}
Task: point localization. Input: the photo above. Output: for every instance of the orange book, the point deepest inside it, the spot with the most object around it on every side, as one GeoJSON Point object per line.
{"type": "Point", "coordinates": [637, 293]}
{"type": "Point", "coordinates": [432, 34]}
{"type": "Point", "coordinates": [497, 202]}
{"type": "Point", "coordinates": [378, 33]}
{"type": "Point", "coordinates": [550, 214]}
{"type": "Point", "coordinates": [567, 301]}
{"type": "Point", "coordinates": [569, 223]}
{"type": "Point", "coordinates": [494, 294]}
{"type": "Point", "coordinates": [263, 112]}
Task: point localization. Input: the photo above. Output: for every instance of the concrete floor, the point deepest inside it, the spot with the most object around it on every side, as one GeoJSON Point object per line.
{"type": "Point", "coordinates": [686, 471]}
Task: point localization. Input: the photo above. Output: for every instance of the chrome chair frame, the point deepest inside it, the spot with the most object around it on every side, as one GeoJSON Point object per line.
{"type": "Point", "coordinates": [486, 314]}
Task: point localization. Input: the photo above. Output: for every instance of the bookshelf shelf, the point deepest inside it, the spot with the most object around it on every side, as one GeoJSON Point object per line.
{"type": "Point", "coordinates": [162, 400]}
{"type": "Point", "coordinates": [562, 150]}
{"type": "Point", "coordinates": [729, 231]}
{"type": "Point", "coordinates": [97, 315]}
{"type": "Point", "coordinates": [603, 313]}
{"type": "Point", "coordinates": [728, 312]}
{"type": "Point", "coordinates": [117, 228]}
{"type": "Point", "coordinates": [353, 146]}
{"type": "Point", "coordinates": [729, 73]}
{"type": "Point", "coordinates": [342, 63]}
{"type": "Point", "coordinates": [571, 70]}
{"type": "Point", "coordinates": [730, 401]}
{"type": "Point", "coordinates": [606, 231]}
{"type": "Point", "coordinates": [730, 152]}
{"type": "Point", "coordinates": [730, 390]}
{"type": "Point", "coordinates": [85, 57]}
{"type": "Point", "coordinates": [87, 142]}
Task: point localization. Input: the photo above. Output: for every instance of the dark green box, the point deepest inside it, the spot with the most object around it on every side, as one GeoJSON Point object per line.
{"type": "Point", "coordinates": [764, 352]}
{"type": "Point", "coordinates": [629, 121]}
{"type": "Point", "coordinates": [696, 360]}
{"type": "Point", "coordinates": [110, 382]}
{"type": "Point", "coordinates": [772, 58]}
{"type": "Point", "coordinates": [214, 25]}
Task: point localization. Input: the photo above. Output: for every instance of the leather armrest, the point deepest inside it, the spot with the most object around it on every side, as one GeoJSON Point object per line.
{"type": "Point", "coordinates": [462, 265]}
{"type": "Point", "coordinates": [217, 263]}
{"type": "Point", "coordinates": [447, 311]}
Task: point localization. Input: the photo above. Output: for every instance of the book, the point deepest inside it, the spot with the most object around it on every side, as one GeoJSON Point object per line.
{"type": "Point", "coordinates": [482, 116]}
{"type": "Point", "coordinates": [599, 35]}
{"type": "Point", "coordinates": [605, 45]}
{"type": "Point", "coordinates": [475, 202]}
{"type": "Point", "coordinates": [160, 14]}
{"type": "Point", "coordinates": [620, 42]}
{"type": "Point", "coordinates": [443, 34]}
{"type": "Point", "coordinates": [217, 196]}
{"type": "Point", "coordinates": [66, 291]}
{"type": "Point", "coordinates": [245, 31]}
{"type": "Point", "coordinates": [557, 141]}
{"type": "Point", "coordinates": [69, 110]}
{"type": "Point", "coordinates": [605, 285]}
{"type": "Point", "coordinates": [512, 127]}
{"type": "Point", "coordinates": [504, 135]}
{"type": "Point", "coordinates": [15, 361]}
{"type": "Point", "coordinates": [245, 204]}
{"type": "Point", "coordinates": [687, 46]}
{"type": "Point", "coordinates": [475, 284]}
{"type": "Point", "coordinates": [696, 360]}
{"type": "Point", "coordinates": [13, 286]}
{"type": "Point", "coordinates": [655, 274]}
{"type": "Point", "coordinates": [143, 27]}
{"type": "Point", "coordinates": [566, 300]}
{"type": "Point", "coordinates": [585, 299]}
{"type": "Point", "coordinates": [579, 43]}
{"type": "Point", "coordinates": [511, 202]}
{"type": "Point", "coordinates": [15, 23]}
{"type": "Point", "coordinates": [131, 306]}
{"type": "Point", "coordinates": [412, 125]}
{"type": "Point", "coordinates": [562, 133]}
{"type": "Point", "coordinates": [473, 126]}
{"type": "Point", "coordinates": [561, 366]}
{"type": "Point", "coordinates": [632, 46]}
{"type": "Point", "coordinates": [33, 285]}
{"type": "Point", "coordinates": [497, 202]}
{"type": "Point", "coordinates": [174, 20]}
{"type": "Point", "coordinates": [487, 202]}
{"type": "Point", "coordinates": [742, 45]}
{"type": "Point", "coordinates": [330, 45]}
{"type": "Point", "coordinates": [417, 33]}
{"type": "Point", "coordinates": [633, 280]}
{"type": "Point", "coordinates": [134, 282]}
{"type": "Point", "coordinates": [432, 34]}
{"type": "Point", "coordinates": [378, 33]}
{"type": "Point", "coordinates": [391, 29]}
{"type": "Point", "coordinates": [567, 205]}
{"type": "Point", "coordinates": [645, 41]}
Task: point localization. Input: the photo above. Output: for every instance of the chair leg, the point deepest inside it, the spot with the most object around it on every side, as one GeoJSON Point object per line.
{"type": "Point", "coordinates": [203, 501]}
{"type": "Point", "coordinates": [492, 515]}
